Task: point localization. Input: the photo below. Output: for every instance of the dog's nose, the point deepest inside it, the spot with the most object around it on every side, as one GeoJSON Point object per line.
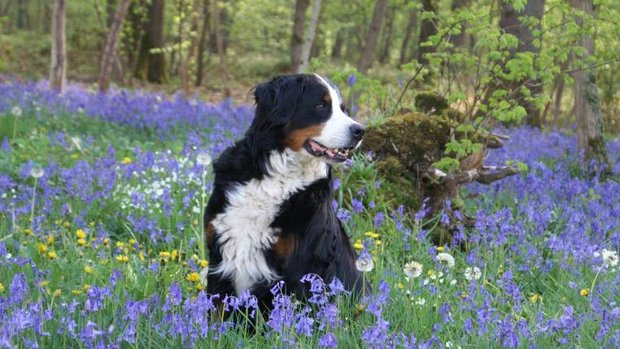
{"type": "Point", "coordinates": [357, 131]}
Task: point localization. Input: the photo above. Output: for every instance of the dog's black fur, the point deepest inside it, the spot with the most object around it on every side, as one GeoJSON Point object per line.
{"type": "Point", "coordinates": [311, 238]}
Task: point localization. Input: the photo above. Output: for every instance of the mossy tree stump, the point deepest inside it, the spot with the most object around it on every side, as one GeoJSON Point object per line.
{"type": "Point", "coordinates": [407, 145]}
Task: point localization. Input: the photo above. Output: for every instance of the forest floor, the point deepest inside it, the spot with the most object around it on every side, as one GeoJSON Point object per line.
{"type": "Point", "coordinates": [101, 202]}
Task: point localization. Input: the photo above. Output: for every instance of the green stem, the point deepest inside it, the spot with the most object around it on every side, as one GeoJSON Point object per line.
{"type": "Point", "coordinates": [34, 192]}
{"type": "Point", "coordinates": [596, 277]}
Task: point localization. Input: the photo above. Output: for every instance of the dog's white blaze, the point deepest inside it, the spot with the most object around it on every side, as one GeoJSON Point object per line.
{"type": "Point", "coordinates": [336, 133]}
{"type": "Point", "coordinates": [245, 226]}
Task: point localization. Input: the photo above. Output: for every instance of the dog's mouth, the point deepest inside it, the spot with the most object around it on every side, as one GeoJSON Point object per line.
{"type": "Point", "coordinates": [335, 154]}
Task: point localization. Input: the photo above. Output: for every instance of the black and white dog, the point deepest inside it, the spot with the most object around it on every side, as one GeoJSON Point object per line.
{"type": "Point", "coordinates": [270, 216]}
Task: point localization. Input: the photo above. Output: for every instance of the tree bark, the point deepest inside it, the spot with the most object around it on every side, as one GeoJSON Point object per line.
{"type": "Point", "coordinates": [461, 39]}
{"type": "Point", "coordinates": [297, 39]}
{"type": "Point", "coordinates": [58, 67]}
{"type": "Point", "coordinates": [337, 48]}
{"type": "Point", "coordinates": [587, 103]}
{"type": "Point", "coordinates": [22, 15]}
{"type": "Point", "coordinates": [111, 45]}
{"type": "Point", "coordinates": [373, 34]}
{"type": "Point", "coordinates": [427, 30]}
{"type": "Point", "coordinates": [384, 57]}
{"type": "Point", "coordinates": [5, 10]}
{"type": "Point", "coordinates": [409, 33]}
{"type": "Point", "coordinates": [309, 39]}
{"type": "Point", "coordinates": [202, 43]}
{"type": "Point", "coordinates": [510, 23]}
{"type": "Point", "coordinates": [152, 66]}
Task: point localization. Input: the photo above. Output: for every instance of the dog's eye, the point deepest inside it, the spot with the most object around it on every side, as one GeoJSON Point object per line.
{"type": "Point", "coordinates": [320, 107]}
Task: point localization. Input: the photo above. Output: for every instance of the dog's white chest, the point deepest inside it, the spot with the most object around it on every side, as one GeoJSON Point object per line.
{"type": "Point", "coordinates": [244, 228]}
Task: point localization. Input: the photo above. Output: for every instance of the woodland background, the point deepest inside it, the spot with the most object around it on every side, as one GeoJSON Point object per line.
{"type": "Point", "coordinates": [512, 60]}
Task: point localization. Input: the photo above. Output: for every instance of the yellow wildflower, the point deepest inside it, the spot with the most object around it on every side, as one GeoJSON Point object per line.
{"type": "Point", "coordinates": [440, 248]}
{"type": "Point", "coordinates": [535, 298]}
{"type": "Point", "coordinates": [193, 277]}
{"type": "Point", "coordinates": [400, 286]}
{"type": "Point", "coordinates": [42, 249]}
{"type": "Point", "coordinates": [120, 244]}
{"type": "Point", "coordinates": [88, 269]}
{"type": "Point", "coordinates": [75, 156]}
{"type": "Point", "coordinates": [379, 242]}
{"type": "Point", "coordinates": [43, 283]}
{"type": "Point", "coordinates": [81, 234]}
{"type": "Point", "coordinates": [86, 287]}
{"type": "Point", "coordinates": [584, 292]}
{"type": "Point", "coordinates": [76, 292]}
{"type": "Point", "coordinates": [164, 256]}
{"type": "Point", "coordinates": [372, 235]}
{"type": "Point", "coordinates": [57, 292]}
{"type": "Point", "coordinates": [81, 242]}
{"type": "Point", "coordinates": [28, 231]}
{"type": "Point", "coordinates": [199, 287]}
{"type": "Point", "coordinates": [174, 255]}
{"type": "Point", "coordinates": [106, 241]}
{"type": "Point", "coordinates": [122, 258]}
{"type": "Point", "coordinates": [126, 160]}
{"type": "Point", "coordinates": [51, 239]}
{"type": "Point", "coordinates": [203, 263]}
{"type": "Point", "coordinates": [66, 224]}
{"type": "Point", "coordinates": [1, 287]}
{"type": "Point", "coordinates": [358, 245]}
{"type": "Point", "coordinates": [52, 255]}
{"type": "Point", "coordinates": [141, 255]}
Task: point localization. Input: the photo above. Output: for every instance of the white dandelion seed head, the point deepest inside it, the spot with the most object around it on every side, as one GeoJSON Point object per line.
{"type": "Point", "coordinates": [37, 172]}
{"type": "Point", "coordinates": [365, 264]}
{"type": "Point", "coordinates": [610, 257]}
{"type": "Point", "coordinates": [413, 269]}
{"type": "Point", "coordinates": [16, 111]}
{"type": "Point", "coordinates": [203, 159]}
{"type": "Point", "coordinates": [472, 273]}
{"type": "Point", "coordinates": [445, 258]}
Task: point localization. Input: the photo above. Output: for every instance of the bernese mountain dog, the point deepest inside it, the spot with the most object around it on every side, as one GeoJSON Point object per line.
{"type": "Point", "coordinates": [270, 216]}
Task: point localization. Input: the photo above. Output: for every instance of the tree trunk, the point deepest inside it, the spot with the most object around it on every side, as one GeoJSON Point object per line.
{"type": "Point", "coordinates": [22, 14]}
{"type": "Point", "coordinates": [202, 43]}
{"type": "Point", "coordinates": [297, 39]}
{"type": "Point", "coordinates": [510, 23]}
{"type": "Point", "coordinates": [384, 57]}
{"type": "Point", "coordinates": [373, 34]}
{"type": "Point", "coordinates": [587, 103]}
{"type": "Point", "coordinates": [4, 10]}
{"type": "Point", "coordinates": [337, 48]}
{"type": "Point", "coordinates": [309, 39]}
{"type": "Point", "coordinates": [152, 66]}
{"type": "Point", "coordinates": [411, 25]}
{"type": "Point", "coordinates": [111, 45]}
{"type": "Point", "coordinates": [110, 9]}
{"type": "Point", "coordinates": [461, 39]}
{"type": "Point", "coordinates": [427, 30]}
{"type": "Point", "coordinates": [58, 67]}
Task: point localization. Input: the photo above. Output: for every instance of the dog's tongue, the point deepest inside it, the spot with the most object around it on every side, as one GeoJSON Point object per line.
{"type": "Point", "coordinates": [330, 153]}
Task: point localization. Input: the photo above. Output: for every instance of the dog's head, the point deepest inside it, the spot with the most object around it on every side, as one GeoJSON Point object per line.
{"type": "Point", "coordinates": [308, 116]}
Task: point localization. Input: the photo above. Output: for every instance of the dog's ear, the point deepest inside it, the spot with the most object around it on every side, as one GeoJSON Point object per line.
{"type": "Point", "coordinates": [276, 100]}
{"type": "Point", "coordinates": [265, 94]}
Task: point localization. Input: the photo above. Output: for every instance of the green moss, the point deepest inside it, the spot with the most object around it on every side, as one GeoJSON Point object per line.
{"type": "Point", "coordinates": [430, 101]}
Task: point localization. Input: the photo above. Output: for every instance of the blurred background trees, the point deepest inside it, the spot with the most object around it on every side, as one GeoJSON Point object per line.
{"type": "Point", "coordinates": [540, 62]}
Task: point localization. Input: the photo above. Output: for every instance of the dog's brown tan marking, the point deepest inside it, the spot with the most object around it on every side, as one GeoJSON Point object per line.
{"type": "Point", "coordinates": [327, 98]}
{"type": "Point", "coordinates": [285, 246]}
{"type": "Point", "coordinates": [210, 234]}
{"type": "Point", "coordinates": [298, 137]}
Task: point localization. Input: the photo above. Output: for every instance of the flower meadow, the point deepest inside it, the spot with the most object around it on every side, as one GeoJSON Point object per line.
{"type": "Point", "coordinates": [101, 201]}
